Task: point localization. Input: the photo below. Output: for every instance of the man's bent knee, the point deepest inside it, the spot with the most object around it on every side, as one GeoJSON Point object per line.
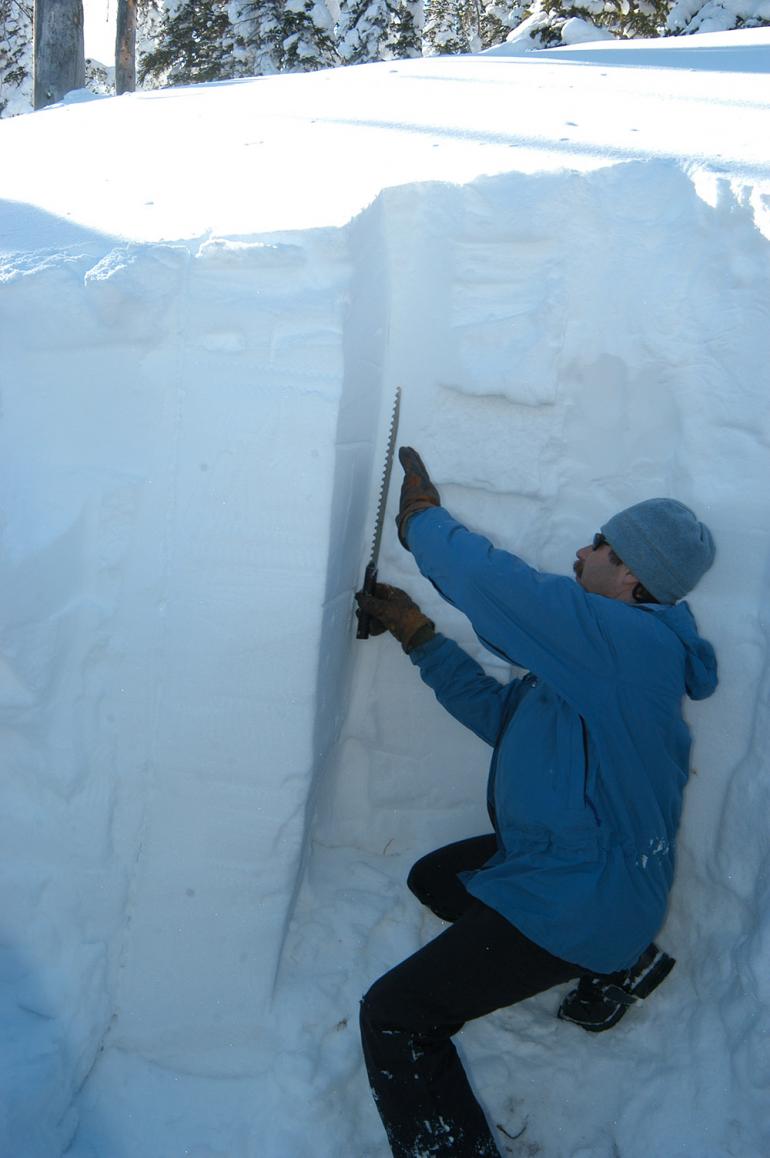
{"type": "Point", "coordinates": [416, 882]}
{"type": "Point", "coordinates": [392, 1007]}
{"type": "Point", "coordinates": [378, 1009]}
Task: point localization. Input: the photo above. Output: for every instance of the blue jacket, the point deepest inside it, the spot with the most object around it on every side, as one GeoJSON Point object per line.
{"type": "Point", "coordinates": [591, 753]}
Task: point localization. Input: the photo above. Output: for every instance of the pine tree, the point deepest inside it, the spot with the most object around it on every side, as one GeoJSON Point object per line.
{"type": "Point", "coordinates": [258, 41]}
{"type": "Point", "coordinates": [406, 30]}
{"type": "Point", "coordinates": [451, 26]}
{"type": "Point", "coordinates": [125, 47]}
{"type": "Point", "coordinates": [370, 30]}
{"type": "Point", "coordinates": [498, 18]}
{"type": "Point", "coordinates": [15, 57]}
{"type": "Point", "coordinates": [623, 18]}
{"type": "Point", "coordinates": [195, 44]}
{"type": "Point", "coordinates": [285, 36]}
{"type": "Point", "coordinates": [59, 64]}
{"type": "Point", "coordinates": [308, 42]}
{"type": "Point", "coordinates": [688, 16]}
{"type": "Point", "coordinates": [149, 23]}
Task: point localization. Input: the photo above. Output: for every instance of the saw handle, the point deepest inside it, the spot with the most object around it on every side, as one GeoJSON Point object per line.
{"type": "Point", "coordinates": [364, 620]}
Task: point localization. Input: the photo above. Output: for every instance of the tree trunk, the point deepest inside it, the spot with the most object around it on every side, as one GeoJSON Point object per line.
{"type": "Point", "coordinates": [125, 47]}
{"type": "Point", "coordinates": [59, 54]}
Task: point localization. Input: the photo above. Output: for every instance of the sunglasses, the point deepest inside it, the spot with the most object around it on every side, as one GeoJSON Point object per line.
{"type": "Point", "coordinates": [599, 541]}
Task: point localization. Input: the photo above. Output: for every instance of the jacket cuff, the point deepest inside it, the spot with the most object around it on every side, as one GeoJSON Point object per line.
{"type": "Point", "coordinates": [403, 518]}
{"type": "Point", "coordinates": [419, 651]}
{"type": "Point", "coordinates": [422, 635]}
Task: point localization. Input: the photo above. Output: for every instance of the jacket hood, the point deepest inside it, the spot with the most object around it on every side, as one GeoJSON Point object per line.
{"type": "Point", "coordinates": [700, 673]}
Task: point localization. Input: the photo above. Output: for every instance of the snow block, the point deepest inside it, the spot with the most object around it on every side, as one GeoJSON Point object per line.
{"type": "Point", "coordinates": [186, 483]}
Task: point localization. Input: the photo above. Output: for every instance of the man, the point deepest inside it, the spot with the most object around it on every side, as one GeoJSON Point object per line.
{"type": "Point", "coordinates": [590, 760]}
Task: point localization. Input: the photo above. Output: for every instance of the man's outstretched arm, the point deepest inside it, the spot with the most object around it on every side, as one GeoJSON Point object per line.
{"type": "Point", "coordinates": [539, 621]}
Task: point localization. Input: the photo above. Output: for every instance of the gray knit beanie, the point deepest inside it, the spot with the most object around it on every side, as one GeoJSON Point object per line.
{"type": "Point", "coordinates": [663, 543]}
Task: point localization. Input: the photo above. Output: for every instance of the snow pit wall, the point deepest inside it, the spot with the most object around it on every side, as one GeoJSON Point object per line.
{"type": "Point", "coordinates": [190, 442]}
{"type": "Point", "coordinates": [170, 458]}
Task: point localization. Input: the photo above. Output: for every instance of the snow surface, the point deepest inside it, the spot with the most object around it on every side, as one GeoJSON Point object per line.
{"type": "Point", "coordinates": [212, 791]}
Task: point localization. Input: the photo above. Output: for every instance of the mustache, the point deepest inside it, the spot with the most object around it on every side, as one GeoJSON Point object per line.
{"type": "Point", "coordinates": [577, 567]}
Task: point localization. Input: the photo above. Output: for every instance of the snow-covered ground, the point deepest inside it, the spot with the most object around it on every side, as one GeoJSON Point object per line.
{"type": "Point", "coordinates": [212, 792]}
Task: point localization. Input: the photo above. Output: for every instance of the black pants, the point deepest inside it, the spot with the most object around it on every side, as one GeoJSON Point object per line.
{"type": "Point", "coordinates": [408, 1017]}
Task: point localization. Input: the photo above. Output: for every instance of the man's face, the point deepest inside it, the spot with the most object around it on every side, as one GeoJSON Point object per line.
{"type": "Point", "coordinates": [599, 574]}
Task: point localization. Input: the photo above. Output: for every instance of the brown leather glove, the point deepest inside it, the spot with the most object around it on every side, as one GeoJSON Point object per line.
{"type": "Point", "coordinates": [417, 491]}
{"type": "Point", "coordinates": [393, 610]}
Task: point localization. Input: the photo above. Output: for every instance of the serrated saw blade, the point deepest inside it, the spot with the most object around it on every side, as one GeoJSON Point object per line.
{"type": "Point", "coordinates": [370, 577]}
{"type": "Point", "coordinates": [389, 454]}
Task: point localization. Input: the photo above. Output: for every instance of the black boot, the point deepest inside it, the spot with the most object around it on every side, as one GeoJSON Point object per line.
{"type": "Point", "coordinates": [599, 1002]}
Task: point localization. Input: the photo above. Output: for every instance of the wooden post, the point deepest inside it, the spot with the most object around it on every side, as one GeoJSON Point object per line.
{"type": "Point", "coordinates": [59, 53]}
{"type": "Point", "coordinates": [125, 47]}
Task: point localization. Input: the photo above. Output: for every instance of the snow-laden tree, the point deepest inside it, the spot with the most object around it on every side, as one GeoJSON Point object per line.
{"type": "Point", "coordinates": [689, 16]}
{"type": "Point", "coordinates": [407, 32]}
{"type": "Point", "coordinates": [284, 36]}
{"type": "Point", "coordinates": [194, 44]}
{"type": "Point", "coordinates": [545, 23]}
{"type": "Point", "coordinates": [149, 22]}
{"type": "Point", "coordinates": [551, 22]}
{"type": "Point", "coordinates": [620, 17]}
{"type": "Point", "coordinates": [309, 43]}
{"type": "Point", "coordinates": [369, 30]}
{"type": "Point", "coordinates": [15, 56]}
{"type": "Point", "coordinates": [497, 18]}
{"type": "Point", "coordinates": [451, 26]}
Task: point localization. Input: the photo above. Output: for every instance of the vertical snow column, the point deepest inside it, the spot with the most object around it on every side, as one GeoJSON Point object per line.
{"type": "Point", "coordinates": [83, 446]}
{"type": "Point", "coordinates": [253, 388]}
{"type": "Point", "coordinates": [168, 470]}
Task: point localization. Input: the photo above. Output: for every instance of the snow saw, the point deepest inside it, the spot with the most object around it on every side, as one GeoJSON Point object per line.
{"type": "Point", "coordinates": [370, 574]}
